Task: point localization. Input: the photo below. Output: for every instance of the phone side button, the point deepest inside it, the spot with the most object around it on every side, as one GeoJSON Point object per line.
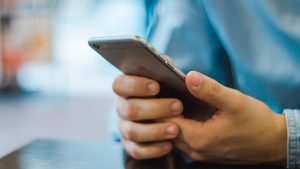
{"type": "Point", "coordinates": [180, 73]}
{"type": "Point", "coordinates": [157, 52]}
{"type": "Point", "coordinates": [169, 65]}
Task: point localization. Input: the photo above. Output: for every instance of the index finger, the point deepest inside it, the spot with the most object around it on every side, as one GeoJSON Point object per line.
{"type": "Point", "coordinates": [135, 86]}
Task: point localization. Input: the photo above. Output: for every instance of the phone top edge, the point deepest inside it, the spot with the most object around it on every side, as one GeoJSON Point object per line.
{"type": "Point", "coordinates": [116, 39]}
{"type": "Point", "coordinates": [94, 40]}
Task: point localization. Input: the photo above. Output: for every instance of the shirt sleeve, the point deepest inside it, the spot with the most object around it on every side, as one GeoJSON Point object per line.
{"type": "Point", "coordinates": [184, 31]}
{"type": "Point", "coordinates": [293, 126]}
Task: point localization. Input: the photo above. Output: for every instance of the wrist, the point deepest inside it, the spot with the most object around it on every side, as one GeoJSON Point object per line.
{"type": "Point", "coordinates": [279, 156]}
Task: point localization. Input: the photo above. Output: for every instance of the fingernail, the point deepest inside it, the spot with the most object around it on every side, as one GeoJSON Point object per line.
{"type": "Point", "coordinates": [175, 107]}
{"type": "Point", "coordinates": [166, 147]}
{"type": "Point", "coordinates": [152, 87]}
{"type": "Point", "coordinates": [196, 79]}
{"type": "Point", "coordinates": [171, 130]}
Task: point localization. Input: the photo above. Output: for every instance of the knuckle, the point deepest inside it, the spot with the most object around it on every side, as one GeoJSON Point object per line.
{"type": "Point", "coordinates": [238, 100]}
{"type": "Point", "coordinates": [129, 110]}
{"type": "Point", "coordinates": [129, 132]}
{"type": "Point", "coordinates": [214, 89]}
{"type": "Point", "coordinates": [197, 145]}
{"type": "Point", "coordinates": [204, 145]}
{"type": "Point", "coordinates": [194, 144]}
{"type": "Point", "coordinates": [240, 95]}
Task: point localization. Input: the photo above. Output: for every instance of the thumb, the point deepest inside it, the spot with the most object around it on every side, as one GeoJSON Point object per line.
{"type": "Point", "coordinates": [214, 93]}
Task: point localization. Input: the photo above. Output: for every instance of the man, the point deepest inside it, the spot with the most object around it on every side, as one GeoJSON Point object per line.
{"type": "Point", "coordinates": [249, 52]}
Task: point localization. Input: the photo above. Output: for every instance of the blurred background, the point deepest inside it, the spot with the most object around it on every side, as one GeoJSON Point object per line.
{"type": "Point", "coordinates": [44, 43]}
{"type": "Point", "coordinates": [52, 84]}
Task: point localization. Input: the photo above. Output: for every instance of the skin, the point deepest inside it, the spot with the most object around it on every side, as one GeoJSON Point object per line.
{"type": "Point", "coordinates": [243, 130]}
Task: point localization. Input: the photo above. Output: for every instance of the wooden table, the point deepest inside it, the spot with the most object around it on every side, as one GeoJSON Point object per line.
{"type": "Point", "coordinates": [50, 154]}
{"type": "Point", "coordinates": [29, 117]}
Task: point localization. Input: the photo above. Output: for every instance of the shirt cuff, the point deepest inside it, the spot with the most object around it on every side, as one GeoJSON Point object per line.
{"type": "Point", "coordinates": [293, 127]}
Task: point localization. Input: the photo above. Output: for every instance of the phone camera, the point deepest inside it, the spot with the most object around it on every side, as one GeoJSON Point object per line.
{"type": "Point", "coordinates": [97, 46]}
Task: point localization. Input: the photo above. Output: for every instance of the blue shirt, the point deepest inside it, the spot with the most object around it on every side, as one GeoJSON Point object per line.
{"type": "Point", "coordinates": [253, 46]}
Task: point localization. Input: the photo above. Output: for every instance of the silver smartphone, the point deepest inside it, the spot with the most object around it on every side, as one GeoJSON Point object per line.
{"type": "Point", "coordinates": [134, 56]}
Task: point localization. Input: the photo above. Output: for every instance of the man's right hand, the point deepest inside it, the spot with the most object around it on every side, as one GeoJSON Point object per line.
{"type": "Point", "coordinates": [144, 132]}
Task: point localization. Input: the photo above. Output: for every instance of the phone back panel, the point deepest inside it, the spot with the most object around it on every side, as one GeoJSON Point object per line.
{"type": "Point", "coordinates": [133, 56]}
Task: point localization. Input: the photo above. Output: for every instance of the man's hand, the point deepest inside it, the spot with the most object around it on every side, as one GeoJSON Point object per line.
{"type": "Point", "coordinates": [136, 108]}
{"type": "Point", "coordinates": [242, 130]}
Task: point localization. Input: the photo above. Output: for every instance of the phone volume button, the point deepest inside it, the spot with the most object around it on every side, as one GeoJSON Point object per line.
{"type": "Point", "coordinates": [170, 66]}
{"type": "Point", "coordinates": [153, 50]}
{"type": "Point", "coordinates": [180, 73]}
{"type": "Point", "coordinates": [157, 53]}
{"type": "Point", "coordinates": [149, 46]}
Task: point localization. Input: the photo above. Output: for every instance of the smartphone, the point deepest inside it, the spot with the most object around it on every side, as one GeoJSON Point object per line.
{"type": "Point", "coordinates": [132, 55]}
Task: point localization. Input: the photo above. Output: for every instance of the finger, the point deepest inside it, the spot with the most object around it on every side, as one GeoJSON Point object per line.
{"type": "Point", "coordinates": [130, 86]}
{"type": "Point", "coordinates": [148, 109]}
{"type": "Point", "coordinates": [181, 146]}
{"type": "Point", "coordinates": [196, 140]}
{"type": "Point", "coordinates": [169, 59]}
{"type": "Point", "coordinates": [147, 151]}
{"type": "Point", "coordinates": [186, 149]}
{"type": "Point", "coordinates": [213, 92]}
{"type": "Point", "coordinates": [140, 132]}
